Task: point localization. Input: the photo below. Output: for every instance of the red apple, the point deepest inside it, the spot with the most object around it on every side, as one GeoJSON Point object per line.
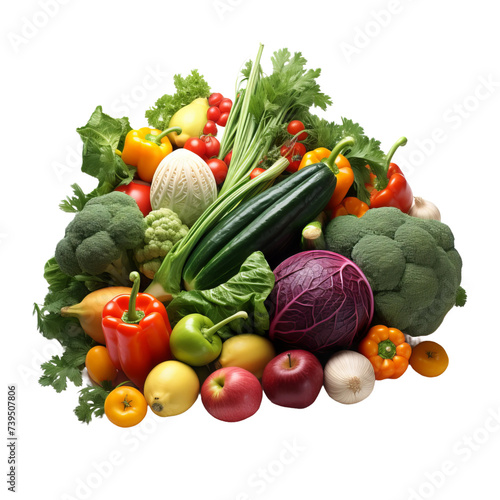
{"type": "Point", "coordinates": [293, 379]}
{"type": "Point", "coordinates": [231, 394]}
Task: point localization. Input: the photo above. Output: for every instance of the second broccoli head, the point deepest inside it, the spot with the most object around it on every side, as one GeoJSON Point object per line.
{"type": "Point", "coordinates": [98, 240]}
{"type": "Point", "coordinates": [411, 264]}
{"type": "Point", "coordinates": [162, 230]}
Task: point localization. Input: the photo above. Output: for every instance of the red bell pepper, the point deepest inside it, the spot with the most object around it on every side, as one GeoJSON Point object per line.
{"type": "Point", "coordinates": [137, 332]}
{"type": "Point", "coordinates": [394, 190]}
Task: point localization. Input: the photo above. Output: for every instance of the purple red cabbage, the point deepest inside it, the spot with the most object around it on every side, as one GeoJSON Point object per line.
{"type": "Point", "coordinates": [321, 302]}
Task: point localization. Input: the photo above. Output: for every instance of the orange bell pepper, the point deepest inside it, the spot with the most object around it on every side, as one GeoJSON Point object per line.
{"type": "Point", "coordinates": [350, 206]}
{"type": "Point", "coordinates": [342, 169]}
{"type": "Point", "coordinates": [387, 351]}
{"type": "Point", "coordinates": [145, 148]}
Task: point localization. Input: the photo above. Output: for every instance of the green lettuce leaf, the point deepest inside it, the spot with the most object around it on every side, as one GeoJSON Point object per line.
{"type": "Point", "coordinates": [246, 291]}
{"type": "Point", "coordinates": [102, 136]}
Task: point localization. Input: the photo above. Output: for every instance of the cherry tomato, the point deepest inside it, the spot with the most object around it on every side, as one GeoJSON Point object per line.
{"type": "Point", "coordinates": [223, 119]}
{"type": "Point", "coordinates": [294, 127]}
{"type": "Point", "coordinates": [218, 168]}
{"type": "Point", "coordinates": [225, 105]}
{"type": "Point", "coordinates": [197, 146]}
{"type": "Point", "coordinates": [289, 151]}
{"type": "Point", "coordinates": [215, 99]}
{"type": "Point", "coordinates": [141, 192]}
{"type": "Point", "coordinates": [210, 128]}
{"type": "Point", "coordinates": [227, 159]}
{"type": "Point", "coordinates": [256, 171]}
{"type": "Point", "coordinates": [213, 113]}
{"type": "Point", "coordinates": [125, 406]}
{"type": "Point", "coordinates": [99, 365]}
{"type": "Point", "coordinates": [212, 145]}
{"type": "Point", "coordinates": [429, 359]}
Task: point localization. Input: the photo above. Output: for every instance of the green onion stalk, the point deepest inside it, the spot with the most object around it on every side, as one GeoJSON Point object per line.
{"type": "Point", "coordinates": [251, 134]}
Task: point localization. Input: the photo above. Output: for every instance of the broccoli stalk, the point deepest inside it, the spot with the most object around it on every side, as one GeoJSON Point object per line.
{"type": "Point", "coordinates": [118, 270]}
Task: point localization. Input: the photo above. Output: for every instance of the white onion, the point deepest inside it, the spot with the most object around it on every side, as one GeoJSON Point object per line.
{"type": "Point", "coordinates": [348, 377]}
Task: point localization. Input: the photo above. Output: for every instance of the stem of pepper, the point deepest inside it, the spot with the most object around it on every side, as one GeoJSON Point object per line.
{"type": "Point", "coordinates": [209, 332]}
{"type": "Point", "coordinates": [132, 315]}
{"type": "Point", "coordinates": [157, 138]}
{"type": "Point", "coordinates": [382, 183]}
{"type": "Point", "coordinates": [387, 349]}
{"type": "Point", "coordinates": [339, 147]}
{"type": "Point", "coordinates": [400, 142]}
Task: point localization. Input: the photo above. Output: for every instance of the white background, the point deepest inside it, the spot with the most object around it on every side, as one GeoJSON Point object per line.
{"type": "Point", "coordinates": [413, 68]}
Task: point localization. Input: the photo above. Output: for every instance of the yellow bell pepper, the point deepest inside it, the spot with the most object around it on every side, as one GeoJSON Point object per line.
{"type": "Point", "coordinates": [344, 173]}
{"type": "Point", "coordinates": [314, 156]}
{"type": "Point", "coordinates": [145, 148]}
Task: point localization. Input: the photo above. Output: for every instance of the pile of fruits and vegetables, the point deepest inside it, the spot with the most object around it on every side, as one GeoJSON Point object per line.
{"type": "Point", "coordinates": [241, 246]}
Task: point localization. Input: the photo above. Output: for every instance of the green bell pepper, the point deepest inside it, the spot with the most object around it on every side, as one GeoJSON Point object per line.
{"type": "Point", "coordinates": [194, 339]}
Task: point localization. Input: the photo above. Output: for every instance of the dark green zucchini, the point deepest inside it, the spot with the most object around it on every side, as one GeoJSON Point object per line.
{"type": "Point", "coordinates": [232, 223]}
{"type": "Point", "coordinates": [269, 222]}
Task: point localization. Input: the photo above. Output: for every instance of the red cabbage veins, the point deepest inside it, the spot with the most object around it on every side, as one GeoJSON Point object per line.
{"type": "Point", "coordinates": [321, 302]}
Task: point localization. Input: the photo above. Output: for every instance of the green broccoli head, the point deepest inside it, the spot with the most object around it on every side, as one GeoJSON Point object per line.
{"type": "Point", "coordinates": [162, 229]}
{"type": "Point", "coordinates": [411, 264]}
{"type": "Point", "coordinates": [97, 240]}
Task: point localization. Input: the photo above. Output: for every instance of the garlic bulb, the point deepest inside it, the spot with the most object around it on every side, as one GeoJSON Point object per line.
{"type": "Point", "coordinates": [424, 209]}
{"type": "Point", "coordinates": [349, 377]}
{"type": "Point", "coordinates": [413, 341]}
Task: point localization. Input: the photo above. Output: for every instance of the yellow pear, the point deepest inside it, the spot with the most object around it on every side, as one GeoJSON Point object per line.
{"type": "Point", "coordinates": [191, 119]}
{"type": "Point", "coordinates": [247, 350]}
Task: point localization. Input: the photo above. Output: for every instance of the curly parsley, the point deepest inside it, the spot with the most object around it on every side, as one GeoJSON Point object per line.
{"type": "Point", "coordinates": [188, 89]}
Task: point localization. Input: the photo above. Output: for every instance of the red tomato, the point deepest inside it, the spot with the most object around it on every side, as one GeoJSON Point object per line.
{"type": "Point", "coordinates": [294, 127]}
{"type": "Point", "coordinates": [215, 99]}
{"type": "Point", "coordinates": [140, 191]}
{"type": "Point", "coordinates": [227, 159]}
{"type": "Point", "coordinates": [197, 146]}
{"type": "Point", "coordinates": [256, 171]}
{"type": "Point", "coordinates": [213, 113]}
{"type": "Point", "coordinates": [225, 105]}
{"type": "Point", "coordinates": [298, 149]}
{"type": "Point", "coordinates": [223, 119]}
{"type": "Point", "coordinates": [294, 166]}
{"type": "Point", "coordinates": [218, 168]}
{"type": "Point", "coordinates": [212, 145]}
{"type": "Point", "coordinates": [210, 128]}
